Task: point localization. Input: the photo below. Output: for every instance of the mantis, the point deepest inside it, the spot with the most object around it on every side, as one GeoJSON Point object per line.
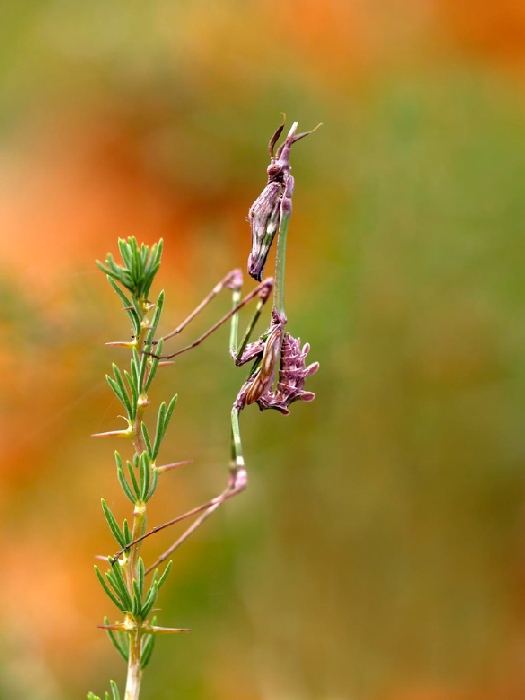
{"type": "Point", "coordinates": [279, 369]}
{"type": "Point", "coordinates": [274, 205]}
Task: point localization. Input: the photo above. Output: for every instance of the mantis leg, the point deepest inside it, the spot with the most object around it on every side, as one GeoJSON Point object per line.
{"type": "Point", "coordinates": [233, 280]}
{"type": "Point", "coordinates": [263, 291]}
{"type": "Point", "coordinates": [237, 470]}
{"type": "Point", "coordinates": [236, 484]}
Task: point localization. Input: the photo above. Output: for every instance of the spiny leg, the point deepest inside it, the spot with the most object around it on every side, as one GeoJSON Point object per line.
{"type": "Point", "coordinates": [263, 291]}
{"type": "Point", "coordinates": [233, 280]}
{"type": "Point", "coordinates": [236, 484]}
{"type": "Point", "coordinates": [237, 478]}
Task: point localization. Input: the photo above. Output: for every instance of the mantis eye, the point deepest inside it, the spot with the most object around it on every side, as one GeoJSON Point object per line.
{"type": "Point", "coordinates": [273, 171]}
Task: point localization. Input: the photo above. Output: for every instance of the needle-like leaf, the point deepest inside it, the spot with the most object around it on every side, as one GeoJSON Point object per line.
{"type": "Point", "coordinates": [113, 525]}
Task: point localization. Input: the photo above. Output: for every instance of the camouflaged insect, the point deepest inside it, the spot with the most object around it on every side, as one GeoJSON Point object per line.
{"type": "Point", "coordinates": [274, 202]}
{"type": "Point", "coordinates": [281, 350]}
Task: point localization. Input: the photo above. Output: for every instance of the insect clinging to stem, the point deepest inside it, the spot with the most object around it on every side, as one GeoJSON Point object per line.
{"type": "Point", "coordinates": [279, 372]}
{"type": "Point", "coordinates": [267, 212]}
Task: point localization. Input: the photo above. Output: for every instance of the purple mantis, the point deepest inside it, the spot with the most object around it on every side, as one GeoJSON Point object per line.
{"type": "Point", "coordinates": [274, 204]}
{"type": "Point", "coordinates": [279, 370]}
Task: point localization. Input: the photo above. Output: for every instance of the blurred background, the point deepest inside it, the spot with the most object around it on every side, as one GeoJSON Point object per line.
{"type": "Point", "coordinates": [379, 552]}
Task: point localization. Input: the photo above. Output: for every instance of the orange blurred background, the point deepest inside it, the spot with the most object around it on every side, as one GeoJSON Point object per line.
{"type": "Point", "coordinates": [379, 551]}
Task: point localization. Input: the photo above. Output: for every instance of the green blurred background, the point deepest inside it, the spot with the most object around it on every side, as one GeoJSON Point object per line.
{"type": "Point", "coordinates": [378, 553]}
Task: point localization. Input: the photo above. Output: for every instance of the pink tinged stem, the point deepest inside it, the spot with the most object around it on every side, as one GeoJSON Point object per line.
{"type": "Point", "coordinates": [173, 465]}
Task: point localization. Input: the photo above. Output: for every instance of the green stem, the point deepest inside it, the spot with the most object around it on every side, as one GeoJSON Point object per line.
{"type": "Point", "coordinates": [139, 512]}
{"type": "Point", "coordinates": [236, 457]}
{"type": "Point", "coordinates": [280, 264]}
{"type": "Point", "coordinates": [134, 675]}
{"type": "Point", "coordinates": [234, 323]}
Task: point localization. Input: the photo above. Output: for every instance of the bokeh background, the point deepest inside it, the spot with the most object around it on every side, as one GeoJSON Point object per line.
{"type": "Point", "coordinates": [379, 553]}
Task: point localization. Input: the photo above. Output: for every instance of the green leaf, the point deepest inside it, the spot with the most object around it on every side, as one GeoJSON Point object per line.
{"type": "Point", "coordinates": [114, 690]}
{"type": "Point", "coordinates": [125, 486]}
{"type": "Point", "coordinates": [118, 459]}
{"type": "Point", "coordinates": [134, 394]}
{"type": "Point", "coordinates": [116, 579]}
{"type": "Point", "coordinates": [112, 523]}
{"type": "Point", "coordinates": [120, 393]}
{"type": "Point", "coordinates": [156, 317]}
{"type": "Point", "coordinates": [145, 468]}
{"type": "Point", "coordinates": [150, 265]}
{"type": "Point", "coordinates": [133, 478]}
{"type": "Point", "coordinates": [127, 304]}
{"type": "Point", "coordinates": [112, 276]}
{"type": "Point", "coordinates": [124, 396]}
{"type": "Point", "coordinates": [154, 482]}
{"type": "Point", "coordinates": [142, 576]}
{"type": "Point", "coordinates": [136, 602]}
{"type": "Point", "coordinates": [143, 255]}
{"type": "Point", "coordinates": [136, 306]}
{"type": "Point", "coordinates": [92, 696]}
{"type": "Point", "coordinates": [154, 365]}
{"type": "Point", "coordinates": [135, 369]}
{"type": "Point", "coordinates": [164, 416]}
{"type": "Point", "coordinates": [150, 601]}
{"type": "Point", "coordinates": [135, 260]}
{"type": "Point", "coordinates": [143, 364]}
{"type": "Point", "coordinates": [118, 376]}
{"type": "Point", "coordinates": [125, 250]}
{"type": "Point", "coordinates": [171, 408]}
{"type": "Point", "coordinates": [160, 429]}
{"type": "Point", "coordinates": [165, 574]}
{"type": "Point", "coordinates": [107, 590]}
{"type": "Point", "coordinates": [119, 641]}
{"type": "Point", "coordinates": [145, 434]}
{"type": "Point", "coordinates": [127, 532]}
{"type": "Point", "coordinates": [147, 644]}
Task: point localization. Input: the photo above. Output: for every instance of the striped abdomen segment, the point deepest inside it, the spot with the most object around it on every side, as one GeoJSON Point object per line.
{"type": "Point", "coordinates": [264, 217]}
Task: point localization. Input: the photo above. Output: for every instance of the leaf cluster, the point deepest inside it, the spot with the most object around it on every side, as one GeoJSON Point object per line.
{"type": "Point", "coordinates": [139, 601]}
{"type": "Point", "coordinates": [139, 269]}
{"type": "Point", "coordinates": [135, 275]}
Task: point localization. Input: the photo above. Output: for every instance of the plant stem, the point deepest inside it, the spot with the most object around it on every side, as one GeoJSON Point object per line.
{"type": "Point", "coordinates": [134, 676]}
{"type": "Point", "coordinates": [139, 512]}
{"type": "Point", "coordinates": [134, 668]}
